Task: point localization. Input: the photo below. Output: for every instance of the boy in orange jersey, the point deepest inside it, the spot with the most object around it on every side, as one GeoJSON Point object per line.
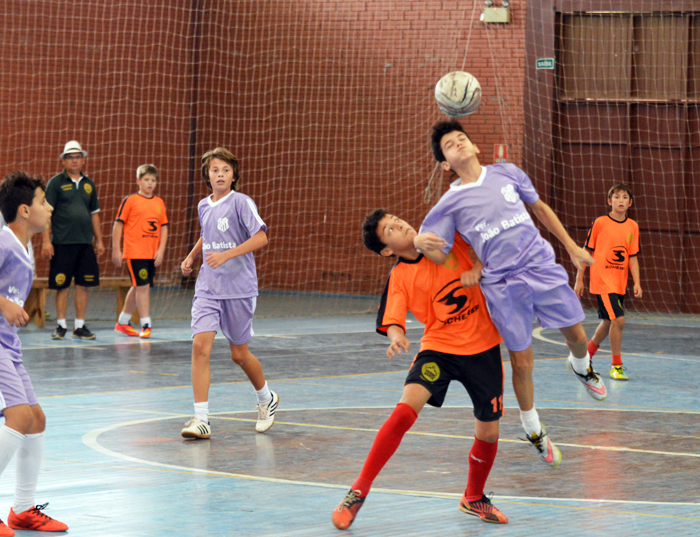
{"type": "Point", "coordinates": [614, 242]}
{"type": "Point", "coordinates": [460, 343]}
{"type": "Point", "coordinates": [142, 219]}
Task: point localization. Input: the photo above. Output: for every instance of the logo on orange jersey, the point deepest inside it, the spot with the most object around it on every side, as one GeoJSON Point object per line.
{"type": "Point", "coordinates": [150, 226]}
{"type": "Point", "coordinates": [616, 255]}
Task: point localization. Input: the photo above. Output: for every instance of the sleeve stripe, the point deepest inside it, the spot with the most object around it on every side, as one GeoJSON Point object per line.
{"type": "Point", "coordinates": [255, 212]}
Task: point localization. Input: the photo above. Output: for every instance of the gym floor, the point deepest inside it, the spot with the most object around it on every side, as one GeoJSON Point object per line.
{"type": "Point", "coordinates": [115, 464]}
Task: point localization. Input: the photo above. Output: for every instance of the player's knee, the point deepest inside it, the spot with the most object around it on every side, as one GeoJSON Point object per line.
{"type": "Point", "coordinates": [618, 322]}
{"type": "Point", "coordinates": [239, 356]}
{"type": "Point", "coordinates": [21, 419]}
{"type": "Point", "coordinates": [39, 419]}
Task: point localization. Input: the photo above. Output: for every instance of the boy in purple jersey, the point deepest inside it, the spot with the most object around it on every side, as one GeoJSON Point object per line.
{"type": "Point", "coordinates": [25, 209]}
{"type": "Point", "coordinates": [518, 272]}
{"type": "Point", "coordinates": [226, 289]}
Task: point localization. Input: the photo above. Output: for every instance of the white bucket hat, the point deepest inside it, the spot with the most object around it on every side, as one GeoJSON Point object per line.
{"type": "Point", "coordinates": [72, 147]}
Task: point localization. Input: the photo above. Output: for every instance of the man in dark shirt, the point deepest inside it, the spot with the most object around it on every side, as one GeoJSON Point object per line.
{"type": "Point", "coordinates": [68, 243]}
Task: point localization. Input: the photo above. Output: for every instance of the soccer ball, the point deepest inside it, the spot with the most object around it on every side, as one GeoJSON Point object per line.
{"type": "Point", "coordinates": [458, 94]}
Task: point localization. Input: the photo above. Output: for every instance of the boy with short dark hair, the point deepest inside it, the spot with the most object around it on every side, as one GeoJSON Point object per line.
{"type": "Point", "coordinates": [614, 242]}
{"type": "Point", "coordinates": [520, 277]}
{"type": "Point", "coordinates": [25, 209]}
{"type": "Point", "coordinates": [142, 219]}
{"type": "Point", "coordinates": [459, 343]}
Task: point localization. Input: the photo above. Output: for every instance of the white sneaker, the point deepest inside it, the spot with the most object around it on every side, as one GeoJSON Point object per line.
{"type": "Point", "coordinates": [545, 448]}
{"type": "Point", "coordinates": [266, 413]}
{"type": "Point", "coordinates": [196, 428]}
{"type": "Point", "coordinates": [591, 380]}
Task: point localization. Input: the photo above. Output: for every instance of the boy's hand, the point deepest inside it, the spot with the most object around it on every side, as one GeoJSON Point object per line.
{"type": "Point", "coordinates": [578, 288]}
{"type": "Point", "coordinates": [397, 344]}
{"type": "Point", "coordinates": [158, 259]}
{"type": "Point", "coordinates": [100, 247]}
{"type": "Point", "coordinates": [186, 267]}
{"type": "Point", "coordinates": [14, 313]}
{"type": "Point", "coordinates": [637, 290]}
{"type": "Point", "coordinates": [216, 259]}
{"type": "Point", "coordinates": [117, 258]}
{"type": "Point", "coordinates": [581, 257]}
{"type": "Point", "coordinates": [470, 278]}
{"type": "Point", "coordinates": [427, 242]}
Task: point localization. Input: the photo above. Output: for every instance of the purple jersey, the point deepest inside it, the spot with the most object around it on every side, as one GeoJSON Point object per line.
{"type": "Point", "coordinates": [226, 224]}
{"type": "Point", "coordinates": [490, 215]}
{"type": "Point", "coordinates": [15, 284]}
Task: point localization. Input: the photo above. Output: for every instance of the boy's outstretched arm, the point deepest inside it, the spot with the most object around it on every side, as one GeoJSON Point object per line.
{"type": "Point", "coordinates": [429, 244]}
{"type": "Point", "coordinates": [545, 214]}
{"type": "Point", "coordinates": [634, 270]}
{"type": "Point", "coordinates": [186, 265]}
{"type": "Point", "coordinates": [257, 241]}
{"type": "Point", "coordinates": [398, 339]}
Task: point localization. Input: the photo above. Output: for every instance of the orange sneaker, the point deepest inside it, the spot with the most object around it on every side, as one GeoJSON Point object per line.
{"type": "Point", "coordinates": [484, 509]}
{"type": "Point", "coordinates": [34, 519]}
{"type": "Point", "coordinates": [127, 329]}
{"type": "Point", "coordinates": [5, 531]}
{"type": "Point", "coordinates": [145, 331]}
{"type": "Point", "coordinates": [345, 513]}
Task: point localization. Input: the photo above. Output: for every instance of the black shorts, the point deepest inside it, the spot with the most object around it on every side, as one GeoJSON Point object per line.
{"type": "Point", "coordinates": [73, 261]}
{"type": "Point", "coordinates": [142, 271]}
{"type": "Point", "coordinates": [481, 374]}
{"type": "Point", "coordinates": [611, 306]}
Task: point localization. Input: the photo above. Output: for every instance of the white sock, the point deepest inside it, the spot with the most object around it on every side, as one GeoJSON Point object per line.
{"type": "Point", "coordinates": [124, 318]}
{"type": "Point", "coordinates": [580, 365]}
{"type": "Point", "coordinates": [531, 421]}
{"type": "Point", "coordinates": [79, 323]}
{"type": "Point", "coordinates": [10, 440]}
{"type": "Point", "coordinates": [29, 458]}
{"type": "Point", "coordinates": [145, 321]}
{"type": "Point", "coordinates": [263, 394]}
{"type": "Point", "coordinates": [201, 411]}
{"type": "Point", "coordinates": [62, 323]}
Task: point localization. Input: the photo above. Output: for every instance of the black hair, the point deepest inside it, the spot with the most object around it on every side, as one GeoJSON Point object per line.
{"type": "Point", "coordinates": [622, 187]}
{"type": "Point", "coordinates": [17, 188]}
{"type": "Point", "coordinates": [369, 231]}
{"type": "Point", "coordinates": [441, 129]}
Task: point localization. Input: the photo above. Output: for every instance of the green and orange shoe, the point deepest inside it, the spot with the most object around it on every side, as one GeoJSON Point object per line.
{"type": "Point", "coordinates": [127, 329]}
{"type": "Point", "coordinates": [484, 509]}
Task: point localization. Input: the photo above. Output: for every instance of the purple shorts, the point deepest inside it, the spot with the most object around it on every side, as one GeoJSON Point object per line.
{"type": "Point", "coordinates": [543, 292]}
{"type": "Point", "coordinates": [234, 315]}
{"type": "Point", "coordinates": [15, 386]}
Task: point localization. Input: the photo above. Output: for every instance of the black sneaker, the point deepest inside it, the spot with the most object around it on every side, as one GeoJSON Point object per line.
{"type": "Point", "coordinates": [83, 333]}
{"type": "Point", "coordinates": [59, 333]}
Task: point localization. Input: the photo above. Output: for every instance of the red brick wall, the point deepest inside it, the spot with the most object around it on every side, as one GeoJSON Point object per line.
{"type": "Point", "coordinates": [327, 104]}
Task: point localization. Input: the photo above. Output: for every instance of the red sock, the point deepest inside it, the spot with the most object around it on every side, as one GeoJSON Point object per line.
{"type": "Point", "coordinates": [592, 348]}
{"type": "Point", "coordinates": [617, 359]}
{"type": "Point", "coordinates": [385, 445]}
{"type": "Point", "coordinates": [481, 459]}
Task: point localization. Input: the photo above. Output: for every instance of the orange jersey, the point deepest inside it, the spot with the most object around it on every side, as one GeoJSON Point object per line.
{"type": "Point", "coordinates": [456, 319]}
{"type": "Point", "coordinates": [143, 219]}
{"type": "Point", "coordinates": [612, 244]}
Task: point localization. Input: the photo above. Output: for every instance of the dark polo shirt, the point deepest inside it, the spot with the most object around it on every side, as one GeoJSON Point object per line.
{"type": "Point", "coordinates": [73, 207]}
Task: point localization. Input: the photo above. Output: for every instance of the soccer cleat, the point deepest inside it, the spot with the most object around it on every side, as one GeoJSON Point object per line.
{"type": "Point", "coordinates": [59, 333]}
{"type": "Point", "coordinates": [345, 513]}
{"type": "Point", "coordinates": [6, 531]}
{"type": "Point", "coordinates": [127, 329]}
{"type": "Point", "coordinates": [484, 509]}
{"type": "Point", "coordinates": [547, 450]}
{"type": "Point", "coordinates": [617, 372]}
{"type": "Point", "coordinates": [266, 413]}
{"type": "Point", "coordinates": [83, 333]}
{"type": "Point", "coordinates": [34, 519]}
{"type": "Point", "coordinates": [145, 331]}
{"type": "Point", "coordinates": [196, 428]}
{"type": "Point", "coordinates": [591, 380]}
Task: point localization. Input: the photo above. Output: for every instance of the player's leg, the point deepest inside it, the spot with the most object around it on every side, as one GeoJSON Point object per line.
{"type": "Point", "coordinates": [123, 324]}
{"type": "Point", "coordinates": [385, 445]}
{"type": "Point", "coordinates": [199, 427]}
{"type": "Point", "coordinates": [601, 332]}
{"type": "Point", "coordinates": [583, 367]}
{"type": "Point", "coordinates": [61, 268]}
{"type": "Point", "coordinates": [143, 303]}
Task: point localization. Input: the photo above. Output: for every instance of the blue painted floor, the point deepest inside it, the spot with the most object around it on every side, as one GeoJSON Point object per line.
{"type": "Point", "coordinates": [115, 464]}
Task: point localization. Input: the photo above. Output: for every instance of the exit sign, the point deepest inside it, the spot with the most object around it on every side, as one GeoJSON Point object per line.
{"type": "Point", "coordinates": [545, 63]}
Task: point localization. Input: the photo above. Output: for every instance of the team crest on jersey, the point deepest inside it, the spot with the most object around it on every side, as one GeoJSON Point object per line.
{"type": "Point", "coordinates": [222, 224]}
{"type": "Point", "coordinates": [88, 188]}
{"type": "Point", "coordinates": [143, 274]}
{"type": "Point", "coordinates": [509, 193]}
{"type": "Point", "coordinates": [451, 261]}
{"type": "Point", "coordinates": [630, 237]}
{"type": "Point", "coordinates": [60, 279]}
{"type": "Point", "coordinates": [430, 372]}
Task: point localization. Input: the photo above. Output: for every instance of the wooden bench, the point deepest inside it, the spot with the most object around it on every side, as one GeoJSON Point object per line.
{"type": "Point", "coordinates": [35, 305]}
